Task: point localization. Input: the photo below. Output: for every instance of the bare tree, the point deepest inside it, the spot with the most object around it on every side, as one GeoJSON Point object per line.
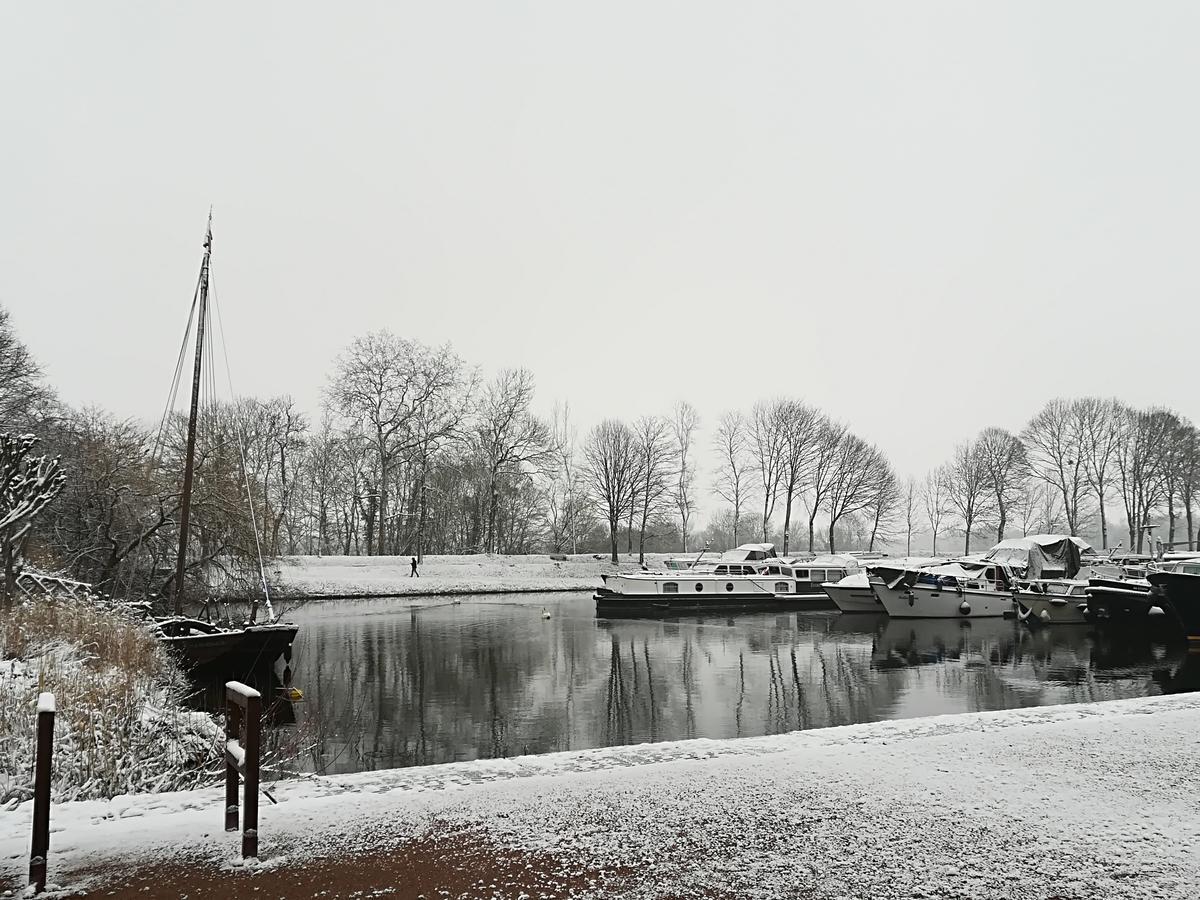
{"type": "Point", "coordinates": [734, 462]}
{"type": "Point", "coordinates": [800, 425]}
{"type": "Point", "coordinates": [1099, 423]}
{"type": "Point", "coordinates": [384, 382]}
{"type": "Point", "coordinates": [935, 501]}
{"type": "Point", "coordinates": [25, 399]}
{"type": "Point", "coordinates": [824, 470]}
{"type": "Point", "coordinates": [911, 496]}
{"type": "Point", "coordinates": [1002, 456]}
{"type": "Point", "coordinates": [1189, 477]}
{"type": "Point", "coordinates": [1141, 463]}
{"type": "Point", "coordinates": [684, 422]}
{"type": "Point", "coordinates": [508, 436]}
{"type": "Point", "coordinates": [859, 474]}
{"type": "Point", "coordinates": [1054, 445]}
{"type": "Point", "coordinates": [968, 488]}
{"type": "Point", "coordinates": [27, 485]}
{"type": "Point", "coordinates": [887, 504]}
{"type": "Point", "coordinates": [656, 473]}
{"type": "Point", "coordinates": [767, 446]}
{"type": "Point", "coordinates": [611, 456]}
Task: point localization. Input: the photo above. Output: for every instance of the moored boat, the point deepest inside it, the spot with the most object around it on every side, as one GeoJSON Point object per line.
{"type": "Point", "coordinates": [1177, 590]}
{"type": "Point", "coordinates": [749, 578]}
{"type": "Point", "coordinates": [853, 594]}
{"type": "Point", "coordinates": [1053, 602]}
{"type": "Point", "coordinates": [962, 589]}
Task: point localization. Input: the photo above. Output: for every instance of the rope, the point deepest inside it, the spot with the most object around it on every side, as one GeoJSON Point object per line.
{"type": "Point", "coordinates": [262, 575]}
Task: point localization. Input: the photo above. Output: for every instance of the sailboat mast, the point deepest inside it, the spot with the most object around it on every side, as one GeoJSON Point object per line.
{"type": "Point", "coordinates": [190, 457]}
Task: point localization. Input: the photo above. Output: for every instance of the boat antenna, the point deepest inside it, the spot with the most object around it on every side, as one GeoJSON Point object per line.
{"type": "Point", "coordinates": [185, 508]}
{"type": "Point", "coordinates": [700, 556]}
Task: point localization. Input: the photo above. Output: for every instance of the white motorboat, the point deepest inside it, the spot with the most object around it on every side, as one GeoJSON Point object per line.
{"type": "Point", "coordinates": [750, 577]}
{"type": "Point", "coordinates": [853, 594]}
{"type": "Point", "coordinates": [962, 589]}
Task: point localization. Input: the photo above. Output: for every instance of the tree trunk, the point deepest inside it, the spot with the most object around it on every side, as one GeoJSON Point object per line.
{"type": "Point", "coordinates": [832, 525]}
{"type": "Point", "coordinates": [1191, 533]}
{"type": "Point", "coordinates": [967, 546]}
{"type": "Point", "coordinates": [612, 538]}
{"type": "Point", "coordinates": [1170, 521]}
{"type": "Point", "coordinates": [811, 535]}
{"type": "Point", "coordinates": [787, 523]}
{"type": "Point", "coordinates": [1103, 528]}
{"type": "Point", "coordinates": [1003, 519]}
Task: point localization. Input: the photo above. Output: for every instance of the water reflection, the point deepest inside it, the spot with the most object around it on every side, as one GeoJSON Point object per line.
{"type": "Point", "coordinates": [388, 683]}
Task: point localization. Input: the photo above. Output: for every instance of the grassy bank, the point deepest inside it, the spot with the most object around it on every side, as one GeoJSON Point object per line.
{"type": "Point", "coordinates": [311, 577]}
{"type": "Point", "coordinates": [121, 727]}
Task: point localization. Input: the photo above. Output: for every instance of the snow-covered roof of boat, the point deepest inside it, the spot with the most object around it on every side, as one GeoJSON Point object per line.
{"type": "Point", "coordinates": [1040, 555]}
{"type": "Point", "coordinates": [750, 552]}
{"type": "Point", "coordinates": [828, 560]}
{"type": "Point", "coordinates": [854, 579]}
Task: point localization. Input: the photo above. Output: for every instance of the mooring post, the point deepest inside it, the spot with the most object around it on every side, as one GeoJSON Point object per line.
{"type": "Point", "coordinates": [243, 711]}
{"type": "Point", "coordinates": [40, 847]}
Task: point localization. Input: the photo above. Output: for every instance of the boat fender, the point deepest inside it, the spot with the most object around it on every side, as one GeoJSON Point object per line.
{"type": "Point", "coordinates": [912, 601]}
{"type": "Point", "coordinates": [1045, 616]}
{"type": "Point", "coordinates": [964, 608]}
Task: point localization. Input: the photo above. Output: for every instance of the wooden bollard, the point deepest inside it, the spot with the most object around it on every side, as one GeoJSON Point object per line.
{"type": "Point", "coordinates": [243, 711]}
{"type": "Point", "coordinates": [40, 846]}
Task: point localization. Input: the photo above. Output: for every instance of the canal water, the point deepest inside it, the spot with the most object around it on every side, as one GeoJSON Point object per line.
{"type": "Point", "coordinates": [396, 682]}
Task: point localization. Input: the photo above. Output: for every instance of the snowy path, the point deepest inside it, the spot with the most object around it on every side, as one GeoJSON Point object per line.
{"type": "Point", "coordinates": [1094, 800]}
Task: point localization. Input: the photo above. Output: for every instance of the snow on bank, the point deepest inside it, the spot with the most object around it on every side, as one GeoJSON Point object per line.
{"type": "Point", "coordinates": [357, 576]}
{"type": "Point", "coordinates": [1090, 800]}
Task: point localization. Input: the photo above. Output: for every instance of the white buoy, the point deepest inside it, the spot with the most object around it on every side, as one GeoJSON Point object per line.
{"type": "Point", "coordinates": [545, 613]}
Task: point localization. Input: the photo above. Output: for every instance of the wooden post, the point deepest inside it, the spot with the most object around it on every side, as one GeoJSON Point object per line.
{"type": "Point", "coordinates": [40, 847]}
{"type": "Point", "coordinates": [243, 711]}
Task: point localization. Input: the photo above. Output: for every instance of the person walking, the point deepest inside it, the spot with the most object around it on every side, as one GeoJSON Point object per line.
{"type": "Point", "coordinates": [414, 569]}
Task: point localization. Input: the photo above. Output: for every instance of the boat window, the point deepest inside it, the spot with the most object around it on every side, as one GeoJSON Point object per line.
{"type": "Point", "coordinates": [722, 570]}
{"type": "Point", "coordinates": [728, 586]}
{"type": "Point", "coordinates": [1191, 570]}
{"type": "Point", "coordinates": [785, 571]}
{"type": "Point", "coordinates": [816, 575]}
{"type": "Point", "coordinates": [670, 587]}
{"type": "Point", "coordinates": [802, 573]}
{"type": "Point", "coordinates": [781, 587]}
{"type": "Point", "coordinates": [835, 575]}
{"type": "Point", "coordinates": [772, 570]}
{"type": "Point", "coordinates": [990, 574]}
{"type": "Point", "coordinates": [699, 586]}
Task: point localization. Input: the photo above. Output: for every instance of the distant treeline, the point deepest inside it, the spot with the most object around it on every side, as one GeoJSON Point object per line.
{"type": "Point", "coordinates": [415, 452]}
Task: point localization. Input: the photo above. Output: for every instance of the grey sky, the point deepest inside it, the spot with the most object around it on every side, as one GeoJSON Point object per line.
{"type": "Point", "coordinates": [925, 218]}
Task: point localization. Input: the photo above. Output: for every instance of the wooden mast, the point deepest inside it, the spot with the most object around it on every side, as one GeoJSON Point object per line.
{"type": "Point", "coordinates": [189, 459]}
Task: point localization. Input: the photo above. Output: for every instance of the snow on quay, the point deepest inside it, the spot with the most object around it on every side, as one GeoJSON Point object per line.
{"type": "Point", "coordinates": [1083, 801]}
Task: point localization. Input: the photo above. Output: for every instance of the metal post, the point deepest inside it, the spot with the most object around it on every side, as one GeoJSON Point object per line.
{"type": "Point", "coordinates": [243, 711]}
{"type": "Point", "coordinates": [40, 847]}
{"type": "Point", "coordinates": [250, 822]}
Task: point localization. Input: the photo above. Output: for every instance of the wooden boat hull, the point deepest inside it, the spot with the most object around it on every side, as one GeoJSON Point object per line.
{"type": "Point", "coordinates": [233, 649]}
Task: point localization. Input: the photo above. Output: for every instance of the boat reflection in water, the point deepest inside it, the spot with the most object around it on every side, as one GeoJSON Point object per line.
{"type": "Point", "coordinates": [390, 682]}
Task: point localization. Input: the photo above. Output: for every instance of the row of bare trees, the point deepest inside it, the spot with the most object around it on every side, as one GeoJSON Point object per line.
{"type": "Point", "coordinates": [1074, 463]}
{"type": "Point", "coordinates": [786, 453]}
{"type": "Point", "coordinates": [414, 452]}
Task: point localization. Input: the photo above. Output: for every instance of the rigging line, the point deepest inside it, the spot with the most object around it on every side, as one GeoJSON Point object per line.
{"type": "Point", "coordinates": [160, 436]}
{"type": "Point", "coordinates": [241, 442]}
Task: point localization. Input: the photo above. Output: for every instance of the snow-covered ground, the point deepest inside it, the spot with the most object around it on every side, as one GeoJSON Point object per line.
{"type": "Point", "coordinates": [1084, 801]}
{"type": "Point", "coordinates": [357, 576]}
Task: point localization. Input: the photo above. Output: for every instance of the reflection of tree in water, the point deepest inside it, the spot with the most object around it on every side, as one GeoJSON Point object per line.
{"type": "Point", "coordinates": [400, 687]}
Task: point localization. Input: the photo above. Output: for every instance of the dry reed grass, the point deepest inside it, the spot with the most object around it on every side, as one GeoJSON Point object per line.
{"type": "Point", "coordinates": [120, 726]}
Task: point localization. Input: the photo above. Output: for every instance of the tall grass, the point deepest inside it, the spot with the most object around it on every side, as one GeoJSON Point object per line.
{"type": "Point", "coordinates": [121, 727]}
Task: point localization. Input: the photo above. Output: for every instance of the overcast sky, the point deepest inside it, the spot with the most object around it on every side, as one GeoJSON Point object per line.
{"type": "Point", "coordinates": [924, 218]}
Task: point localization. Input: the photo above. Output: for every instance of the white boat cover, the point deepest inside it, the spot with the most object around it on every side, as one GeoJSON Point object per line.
{"type": "Point", "coordinates": [1041, 555]}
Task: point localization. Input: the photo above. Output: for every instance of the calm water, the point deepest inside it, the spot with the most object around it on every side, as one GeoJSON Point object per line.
{"type": "Point", "coordinates": [387, 684]}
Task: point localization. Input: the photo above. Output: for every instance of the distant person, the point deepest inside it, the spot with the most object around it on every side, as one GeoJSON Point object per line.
{"type": "Point", "coordinates": [414, 571]}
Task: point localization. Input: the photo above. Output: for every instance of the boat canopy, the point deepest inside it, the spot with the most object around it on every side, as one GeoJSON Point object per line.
{"type": "Point", "coordinates": [1041, 555]}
